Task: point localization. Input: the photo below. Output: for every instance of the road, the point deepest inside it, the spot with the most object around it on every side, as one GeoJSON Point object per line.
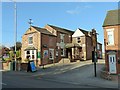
{"type": "Point", "coordinates": [68, 76]}
{"type": "Point", "coordinates": [11, 80]}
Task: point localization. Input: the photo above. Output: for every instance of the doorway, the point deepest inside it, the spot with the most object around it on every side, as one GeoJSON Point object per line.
{"type": "Point", "coordinates": [112, 64]}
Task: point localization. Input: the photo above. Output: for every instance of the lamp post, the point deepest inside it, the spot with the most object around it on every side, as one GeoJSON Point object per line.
{"type": "Point", "coordinates": [15, 8]}
{"type": "Point", "coordinates": [15, 27]}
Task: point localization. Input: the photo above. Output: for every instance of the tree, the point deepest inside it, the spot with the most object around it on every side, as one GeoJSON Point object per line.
{"type": "Point", "coordinates": [18, 46]}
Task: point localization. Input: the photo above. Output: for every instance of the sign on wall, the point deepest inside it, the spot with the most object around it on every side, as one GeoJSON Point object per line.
{"type": "Point", "coordinates": [45, 54]}
{"type": "Point", "coordinates": [38, 55]}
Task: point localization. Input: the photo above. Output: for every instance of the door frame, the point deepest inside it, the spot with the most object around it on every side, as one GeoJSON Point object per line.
{"type": "Point", "coordinates": [112, 55]}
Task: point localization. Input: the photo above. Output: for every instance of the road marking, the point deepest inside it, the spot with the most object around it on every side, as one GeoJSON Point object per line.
{"type": "Point", "coordinates": [3, 84]}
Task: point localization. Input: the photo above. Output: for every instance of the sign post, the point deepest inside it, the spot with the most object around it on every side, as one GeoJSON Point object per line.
{"type": "Point", "coordinates": [94, 53]}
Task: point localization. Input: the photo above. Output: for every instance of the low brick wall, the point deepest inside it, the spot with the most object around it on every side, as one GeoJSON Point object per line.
{"type": "Point", "coordinates": [24, 66]}
{"type": "Point", "coordinates": [106, 75]}
{"type": "Point", "coordinates": [5, 65]}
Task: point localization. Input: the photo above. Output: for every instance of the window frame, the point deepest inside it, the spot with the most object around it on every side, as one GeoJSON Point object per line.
{"type": "Point", "coordinates": [62, 38]}
{"type": "Point", "coordinates": [30, 36]}
{"type": "Point", "coordinates": [63, 52]}
{"type": "Point", "coordinates": [110, 32]}
{"type": "Point", "coordinates": [50, 49]}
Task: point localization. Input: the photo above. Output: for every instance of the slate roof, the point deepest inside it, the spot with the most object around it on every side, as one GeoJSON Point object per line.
{"type": "Point", "coordinates": [61, 29]}
{"type": "Point", "coordinates": [42, 30]}
{"type": "Point", "coordinates": [112, 18]}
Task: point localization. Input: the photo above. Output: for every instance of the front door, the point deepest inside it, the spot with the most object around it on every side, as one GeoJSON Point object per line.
{"type": "Point", "coordinates": [112, 64]}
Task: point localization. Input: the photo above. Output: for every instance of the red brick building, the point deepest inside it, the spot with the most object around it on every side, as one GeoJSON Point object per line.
{"type": "Point", "coordinates": [36, 44]}
{"type": "Point", "coordinates": [45, 45]}
{"type": "Point", "coordinates": [63, 36]}
{"type": "Point", "coordinates": [85, 42]}
{"type": "Point", "coordinates": [111, 28]}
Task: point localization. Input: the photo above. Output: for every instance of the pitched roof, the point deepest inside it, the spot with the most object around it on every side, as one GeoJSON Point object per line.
{"type": "Point", "coordinates": [99, 43]}
{"type": "Point", "coordinates": [112, 18]}
{"type": "Point", "coordinates": [61, 29]}
{"type": "Point", "coordinates": [42, 30]}
{"type": "Point", "coordinates": [84, 31]}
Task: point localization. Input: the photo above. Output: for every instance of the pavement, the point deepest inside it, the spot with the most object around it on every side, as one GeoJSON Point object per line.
{"type": "Point", "coordinates": [77, 73]}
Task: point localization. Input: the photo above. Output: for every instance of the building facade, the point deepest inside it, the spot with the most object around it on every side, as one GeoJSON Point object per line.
{"type": "Point", "coordinates": [35, 44]}
{"type": "Point", "coordinates": [111, 28]}
{"type": "Point", "coordinates": [45, 45]}
{"type": "Point", "coordinates": [63, 36]}
{"type": "Point", "coordinates": [84, 39]}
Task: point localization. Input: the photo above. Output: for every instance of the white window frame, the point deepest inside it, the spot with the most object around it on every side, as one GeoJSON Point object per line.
{"type": "Point", "coordinates": [32, 40]}
{"type": "Point", "coordinates": [110, 40]}
{"type": "Point", "coordinates": [98, 46]}
{"type": "Point", "coordinates": [52, 54]}
{"type": "Point", "coordinates": [62, 38]}
{"type": "Point", "coordinates": [31, 54]}
{"type": "Point", "coordinates": [110, 32]}
{"type": "Point", "coordinates": [63, 52]}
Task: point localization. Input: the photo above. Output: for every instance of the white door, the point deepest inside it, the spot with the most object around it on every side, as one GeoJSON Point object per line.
{"type": "Point", "coordinates": [112, 63]}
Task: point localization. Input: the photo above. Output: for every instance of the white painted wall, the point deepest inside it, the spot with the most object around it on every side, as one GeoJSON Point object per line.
{"type": "Point", "coordinates": [77, 33]}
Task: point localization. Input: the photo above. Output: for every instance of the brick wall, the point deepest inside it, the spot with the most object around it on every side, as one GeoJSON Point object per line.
{"type": "Point", "coordinates": [50, 43]}
{"type": "Point", "coordinates": [115, 47]}
{"type": "Point", "coordinates": [36, 41]}
{"type": "Point", "coordinates": [89, 48]}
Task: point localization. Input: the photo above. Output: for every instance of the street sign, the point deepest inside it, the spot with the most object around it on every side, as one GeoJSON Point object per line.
{"type": "Point", "coordinates": [94, 56]}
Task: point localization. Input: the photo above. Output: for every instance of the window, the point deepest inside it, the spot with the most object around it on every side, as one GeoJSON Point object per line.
{"type": "Point", "coordinates": [61, 37]}
{"type": "Point", "coordinates": [32, 51]}
{"type": "Point", "coordinates": [27, 54]}
{"type": "Point", "coordinates": [62, 52]}
{"type": "Point", "coordinates": [110, 38]}
{"type": "Point", "coordinates": [78, 40]}
{"type": "Point", "coordinates": [30, 40]}
{"type": "Point", "coordinates": [33, 54]}
{"type": "Point", "coordinates": [98, 46]}
{"type": "Point", "coordinates": [51, 54]}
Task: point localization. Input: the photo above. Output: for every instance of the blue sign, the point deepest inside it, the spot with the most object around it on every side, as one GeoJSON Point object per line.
{"type": "Point", "coordinates": [32, 65]}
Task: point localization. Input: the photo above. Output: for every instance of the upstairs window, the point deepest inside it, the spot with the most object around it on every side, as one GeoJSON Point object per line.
{"type": "Point", "coordinates": [62, 38]}
{"type": "Point", "coordinates": [110, 38]}
{"type": "Point", "coordinates": [30, 39]}
{"type": "Point", "coordinates": [78, 40]}
{"type": "Point", "coordinates": [98, 46]}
